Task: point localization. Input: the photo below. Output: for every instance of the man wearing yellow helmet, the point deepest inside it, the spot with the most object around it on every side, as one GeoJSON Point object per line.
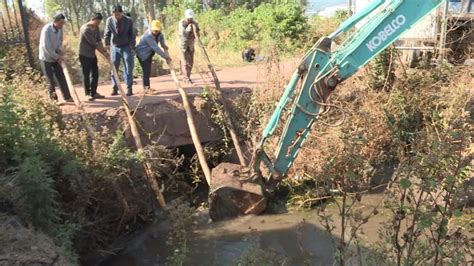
{"type": "Point", "coordinates": [147, 47]}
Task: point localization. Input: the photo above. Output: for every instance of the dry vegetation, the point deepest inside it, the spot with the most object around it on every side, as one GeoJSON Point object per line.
{"type": "Point", "coordinates": [84, 191]}
{"type": "Point", "coordinates": [411, 139]}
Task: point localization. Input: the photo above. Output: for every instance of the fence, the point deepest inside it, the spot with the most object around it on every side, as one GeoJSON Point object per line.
{"type": "Point", "coordinates": [14, 26]}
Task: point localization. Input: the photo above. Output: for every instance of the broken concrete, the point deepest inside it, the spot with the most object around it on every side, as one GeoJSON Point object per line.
{"type": "Point", "coordinates": [160, 114]}
{"type": "Point", "coordinates": [164, 122]}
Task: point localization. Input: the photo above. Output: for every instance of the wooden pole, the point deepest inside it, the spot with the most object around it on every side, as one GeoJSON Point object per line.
{"type": "Point", "coordinates": [136, 136]}
{"type": "Point", "coordinates": [443, 33]}
{"type": "Point", "coordinates": [192, 127]}
{"type": "Point", "coordinates": [77, 100]}
{"type": "Point", "coordinates": [72, 91]}
{"type": "Point", "coordinates": [227, 119]}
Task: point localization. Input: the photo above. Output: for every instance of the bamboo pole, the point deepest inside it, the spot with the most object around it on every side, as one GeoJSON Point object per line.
{"type": "Point", "coordinates": [136, 136]}
{"type": "Point", "coordinates": [227, 119]}
{"type": "Point", "coordinates": [77, 100]}
{"type": "Point", "coordinates": [90, 129]}
{"type": "Point", "coordinates": [192, 127]}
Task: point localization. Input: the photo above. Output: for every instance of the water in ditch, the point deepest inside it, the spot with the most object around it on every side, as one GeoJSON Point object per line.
{"type": "Point", "coordinates": [291, 238]}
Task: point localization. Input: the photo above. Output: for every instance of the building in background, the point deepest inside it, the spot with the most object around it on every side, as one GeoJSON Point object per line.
{"type": "Point", "coordinates": [424, 40]}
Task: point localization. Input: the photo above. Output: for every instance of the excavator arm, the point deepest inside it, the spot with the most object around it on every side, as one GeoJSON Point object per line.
{"type": "Point", "coordinates": [238, 191]}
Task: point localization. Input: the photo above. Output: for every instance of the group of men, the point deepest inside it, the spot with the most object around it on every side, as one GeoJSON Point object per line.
{"type": "Point", "coordinates": [120, 46]}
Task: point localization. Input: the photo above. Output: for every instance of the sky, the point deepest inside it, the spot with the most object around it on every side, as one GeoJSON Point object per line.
{"type": "Point", "coordinates": [37, 6]}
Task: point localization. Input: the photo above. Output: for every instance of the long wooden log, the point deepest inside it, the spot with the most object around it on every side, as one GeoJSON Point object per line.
{"type": "Point", "coordinates": [77, 100]}
{"type": "Point", "coordinates": [71, 88]}
{"type": "Point", "coordinates": [90, 129]}
{"type": "Point", "coordinates": [227, 118]}
{"type": "Point", "coordinates": [151, 177]}
{"type": "Point", "coordinates": [192, 127]}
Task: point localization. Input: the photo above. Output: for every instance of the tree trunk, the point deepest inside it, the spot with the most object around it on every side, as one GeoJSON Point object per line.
{"type": "Point", "coordinates": [150, 11]}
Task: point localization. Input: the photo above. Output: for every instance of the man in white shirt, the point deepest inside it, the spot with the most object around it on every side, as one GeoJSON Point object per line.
{"type": "Point", "coordinates": [51, 56]}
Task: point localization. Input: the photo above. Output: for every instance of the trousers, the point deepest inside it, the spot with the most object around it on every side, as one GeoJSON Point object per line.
{"type": "Point", "coordinates": [90, 71]}
{"type": "Point", "coordinates": [124, 54]}
{"type": "Point", "coordinates": [187, 61]}
{"type": "Point", "coordinates": [146, 68]}
{"type": "Point", "coordinates": [52, 70]}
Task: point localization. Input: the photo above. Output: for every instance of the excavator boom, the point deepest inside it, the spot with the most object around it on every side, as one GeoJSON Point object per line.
{"type": "Point", "coordinates": [239, 190]}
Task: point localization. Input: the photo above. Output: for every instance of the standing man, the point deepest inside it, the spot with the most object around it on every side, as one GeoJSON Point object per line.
{"type": "Point", "coordinates": [120, 35]}
{"type": "Point", "coordinates": [90, 41]}
{"type": "Point", "coordinates": [51, 56]}
{"type": "Point", "coordinates": [186, 41]}
{"type": "Point", "coordinates": [147, 47]}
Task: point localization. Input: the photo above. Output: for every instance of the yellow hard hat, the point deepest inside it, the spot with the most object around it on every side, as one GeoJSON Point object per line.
{"type": "Point", "coordinates": [155, 25]}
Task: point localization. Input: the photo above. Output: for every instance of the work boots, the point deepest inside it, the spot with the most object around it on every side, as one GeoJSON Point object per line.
{"type": "Point", "coordinates": [115, 91]}
{"type": "Point", "coordinates": [53, 96]}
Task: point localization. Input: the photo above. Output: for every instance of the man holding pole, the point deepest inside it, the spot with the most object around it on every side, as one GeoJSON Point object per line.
{"type": "Point", "coordinates": [147, 47]}
{"type": "Point", "coordinates": [186, 30]}
{"type": "Point", "coordinates": [51, 56]}
{"type": "Point", "coordinates": [89, 42]}
{"type": "Point", "coordinates": [120, 35]}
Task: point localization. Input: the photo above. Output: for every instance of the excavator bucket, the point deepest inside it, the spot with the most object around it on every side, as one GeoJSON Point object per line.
{"type": "Point", "coordinates": [232, 195]}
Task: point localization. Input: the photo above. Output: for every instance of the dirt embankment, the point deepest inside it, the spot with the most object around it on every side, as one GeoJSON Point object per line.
{"type": "Point", "coordinates": [20, 245]}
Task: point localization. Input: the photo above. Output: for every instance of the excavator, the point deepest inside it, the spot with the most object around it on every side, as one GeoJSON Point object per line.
{"type": "Point", "coordinates": [242, 190]}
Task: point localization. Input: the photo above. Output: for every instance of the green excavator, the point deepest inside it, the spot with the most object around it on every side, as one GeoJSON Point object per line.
{"type": "Point", "coordinates": [237, 190]}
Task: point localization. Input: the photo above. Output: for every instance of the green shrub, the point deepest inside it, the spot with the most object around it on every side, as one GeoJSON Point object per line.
{"type": "Point", "coordinates": [36, 193]}
{"type": "Point", "coordinates": [65, 181]}
{"type": "Point", "coordinates": [276, 25]}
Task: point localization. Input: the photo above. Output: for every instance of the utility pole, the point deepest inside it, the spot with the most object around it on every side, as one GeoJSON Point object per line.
{"type": "Point", "coordinates": [444, 32]}
{"type": "Point", "coordinates": [350, 13]}
{"type": "Point", "coordinates": [26, 35]}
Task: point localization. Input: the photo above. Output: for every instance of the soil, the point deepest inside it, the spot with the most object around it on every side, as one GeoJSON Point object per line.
{"type": "Point", "coordinates": [20, 245]}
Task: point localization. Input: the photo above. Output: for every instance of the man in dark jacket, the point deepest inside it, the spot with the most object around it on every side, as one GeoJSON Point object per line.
{"type": "Point", "coordinates": [120, 40]}
{"type": "Point", "coordinates": [89, 42]}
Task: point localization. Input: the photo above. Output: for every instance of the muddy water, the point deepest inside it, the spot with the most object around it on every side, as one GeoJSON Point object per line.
{"type": "Point", "coordinates": [295, 238]}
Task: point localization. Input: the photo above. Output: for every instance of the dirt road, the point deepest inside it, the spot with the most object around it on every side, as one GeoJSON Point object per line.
{"type": "Point", "coordinates": [240, 77]}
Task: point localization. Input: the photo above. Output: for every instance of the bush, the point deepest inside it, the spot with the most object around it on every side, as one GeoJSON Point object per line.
{"type": "Point", "coordinates": [267, 25]}
{"type": "Point", "coordinates": [34, 159]}
{"type": "Point", "coordinates": [72, 184]}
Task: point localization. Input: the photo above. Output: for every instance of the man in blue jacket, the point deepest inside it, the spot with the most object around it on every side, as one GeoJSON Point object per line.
{"type": "Point", "coordinates": [147, 47]}
{"type": "Point", "coordinates": [120, 36]}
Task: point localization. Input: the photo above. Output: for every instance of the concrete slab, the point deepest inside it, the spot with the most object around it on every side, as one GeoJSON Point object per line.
{"type": "Point", "coordinates": [161, 117]}
{"type": "Point", "coordinates": [231, 78]}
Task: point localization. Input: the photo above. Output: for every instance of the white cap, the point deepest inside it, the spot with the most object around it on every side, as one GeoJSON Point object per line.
{"type": "Point", "coordinates": [189, 13]}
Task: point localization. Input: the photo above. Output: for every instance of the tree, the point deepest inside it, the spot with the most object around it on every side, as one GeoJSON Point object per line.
{"type": "Point", "coordinates": [150, 10]}
{"type": "Point", "coordinates": [52, 7]}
